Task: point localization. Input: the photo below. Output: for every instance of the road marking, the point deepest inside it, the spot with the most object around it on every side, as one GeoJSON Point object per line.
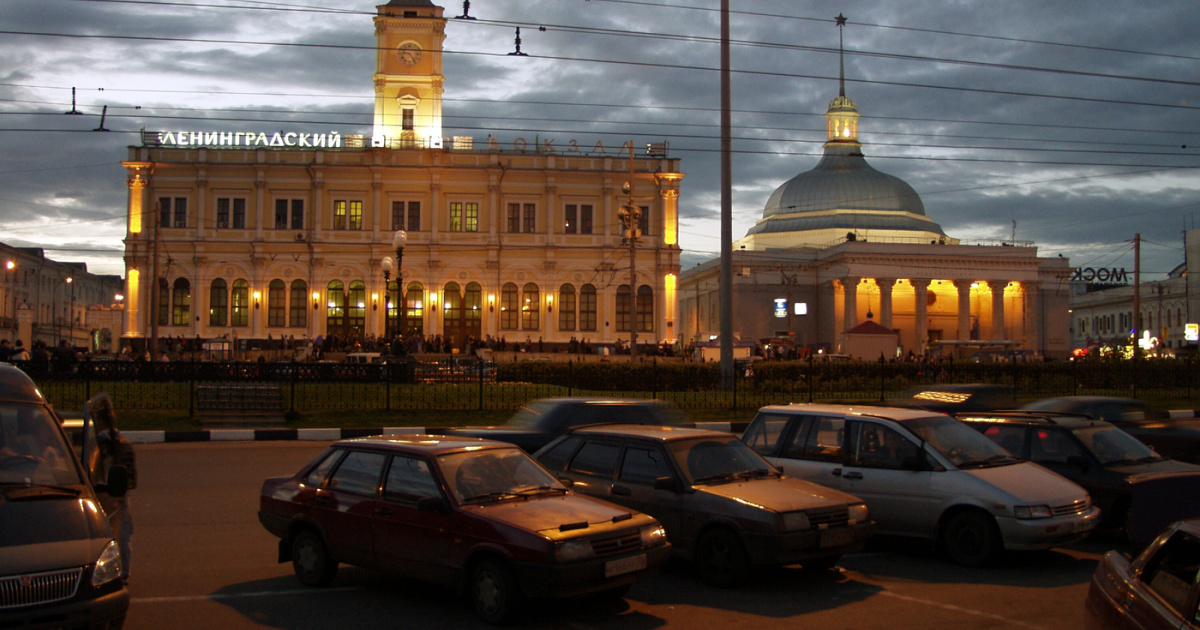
{"type": "Point", "coordinates": [224, 596]}
{"type": "Point", "coordinates": [960, 609]}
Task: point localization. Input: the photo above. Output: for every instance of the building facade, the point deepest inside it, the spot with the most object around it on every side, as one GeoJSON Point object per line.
{"type": "Point", "coordinates": [257, 236]}
{"type": "Point", "coordinates": [843, 244]}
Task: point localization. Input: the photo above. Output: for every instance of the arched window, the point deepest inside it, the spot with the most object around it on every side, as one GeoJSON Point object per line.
{"type": "Point", "coordinates": [645, 309]}
{"type": "Point", "coordinates": [240, 298]}
{"type": "Point", "coordinates": [587, 308]}
{"type": "Point", "coordinates": [181, 303]}
{"type": "Point", "coordinates": [298, 311]}
{"type": "Point", "coordinates": [356, 308]}
{"type": "Point", "coordinates": [473, 306]}
{"type": "Point", "coordinates": [530, 300]}
{"type": "Point", "coordinates": [335, 304]}
{"type": "Point", "coordinates": [164, 301]}
{"type": "Point", "coordinates": [393, 307]}
{"type": "Point", "coordinates": [509, 313]}
{"type": "Point", "coordinates": [218, 303]}
{"type": "Point", "coordinates": [566, 307]}
{"type": "Point", "coordinates": [415, 298]}
{"type": "Point", "coordinates": [277, 303]}
{"type": "Point", "coordinates": [452, 302]}
{"type": "Point", "coordinates": [624, 308]}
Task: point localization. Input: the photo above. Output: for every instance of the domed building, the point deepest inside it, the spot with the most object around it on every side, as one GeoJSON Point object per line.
{"type": "Point", "coordinates": [845, 261]}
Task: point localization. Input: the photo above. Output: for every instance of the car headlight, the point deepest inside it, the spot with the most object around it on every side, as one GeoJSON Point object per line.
{"type": "Point", "coordinates": [858, 513]}
{"type": "Point", "coordinates": [1031, 511]}
{"type": "Point", "coordinates": [794, 521]}
{"type": "Point", "coordinates": [574, 550]}
{"type": "Point", "coordinates": [653, 536]}
{"type": "Point", "coordinates": [108, 565]}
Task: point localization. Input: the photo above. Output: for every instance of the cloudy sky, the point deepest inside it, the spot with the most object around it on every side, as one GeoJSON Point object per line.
{"type": "Point", "coordinates": [1070, 124]}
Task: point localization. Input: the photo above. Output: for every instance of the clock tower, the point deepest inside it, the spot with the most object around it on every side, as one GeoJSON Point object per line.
{"type": "Point", "coordinates": [408, 74]}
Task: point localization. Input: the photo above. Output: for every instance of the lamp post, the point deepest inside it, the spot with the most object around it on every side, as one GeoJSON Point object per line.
{"type": "Point", "coordinates": [387, 265]}
{"type": "Point", "coordinates": [398, 242]}
{"type": "Point", "coordinates": [71, 283]}
{"type": "Point", "coordinates": [10, 269]}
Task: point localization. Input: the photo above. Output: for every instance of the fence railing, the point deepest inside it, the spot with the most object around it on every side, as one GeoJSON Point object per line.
{"type": "Point", "coordinates": [312, 387]}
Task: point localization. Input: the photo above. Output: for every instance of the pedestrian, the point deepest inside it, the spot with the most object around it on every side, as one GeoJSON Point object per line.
{"type": "Point", "coordinates": [116, 450]}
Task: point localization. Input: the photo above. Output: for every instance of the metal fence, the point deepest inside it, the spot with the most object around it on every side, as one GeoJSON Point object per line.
{"type": "Point", "coordinates": [313, 387]}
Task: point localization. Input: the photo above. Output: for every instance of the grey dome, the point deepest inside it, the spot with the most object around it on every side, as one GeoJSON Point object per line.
{"type": "Point", "coordinates": [844, 181]}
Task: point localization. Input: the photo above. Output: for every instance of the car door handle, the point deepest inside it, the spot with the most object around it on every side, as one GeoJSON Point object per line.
{"type": "Point", "coordinates": [621, 491]}
{"type": "Point", "coordinates": [852, 475]}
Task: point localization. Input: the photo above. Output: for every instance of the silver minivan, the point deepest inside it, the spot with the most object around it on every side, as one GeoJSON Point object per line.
{"type": "Point", "coordinates": [926, 475]}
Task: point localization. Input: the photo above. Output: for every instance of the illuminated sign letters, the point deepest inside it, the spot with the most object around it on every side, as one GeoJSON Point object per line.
{"type": "Point", "coordinates": [1091, 274]}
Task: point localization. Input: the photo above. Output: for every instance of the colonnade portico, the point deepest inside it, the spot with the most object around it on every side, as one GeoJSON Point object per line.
{"type": "Point", "coordinates": [913, 319]}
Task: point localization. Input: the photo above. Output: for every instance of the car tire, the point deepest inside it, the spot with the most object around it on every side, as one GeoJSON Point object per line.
{"type": "Point", "coordinates": [721, 559]}
{"type": "Point", "coordinates": [311, 560]}
{"type": "Point", "coordinates": [820, 564]}
{"type": "Point", "coordinates": [494, 592]}
{"type": "Point", "coordinates": [971, 539]}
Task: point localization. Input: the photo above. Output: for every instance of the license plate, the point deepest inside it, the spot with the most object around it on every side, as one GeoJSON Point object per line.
{"type": "Point", "coordinates": [624, 565]}
{"type": "Point", "coordinates": [836, 538]}
{"type": "Point", "coordinates": [1081, 526]}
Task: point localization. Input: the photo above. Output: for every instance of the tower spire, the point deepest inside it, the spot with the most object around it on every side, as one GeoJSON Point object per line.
{"type": "Point", "coordinates": [841, 23]}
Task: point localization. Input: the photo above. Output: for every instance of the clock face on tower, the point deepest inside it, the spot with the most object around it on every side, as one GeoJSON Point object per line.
{"type": "Point", "coordinates": [409, 53]}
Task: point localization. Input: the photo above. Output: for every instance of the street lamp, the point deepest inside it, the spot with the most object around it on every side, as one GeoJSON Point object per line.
{"type": "Point", "coordinates": [10, 271]}
{"type": "Point", "coordinates": [388, 265]}
{"type": "Point", "coordinates": [71, 283]}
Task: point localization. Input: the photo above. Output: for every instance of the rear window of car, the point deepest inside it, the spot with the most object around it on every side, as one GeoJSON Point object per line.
{"type": "Point", "coordinates": [596, 458]}
{"type": "Point", "coordinates": [358, 473]}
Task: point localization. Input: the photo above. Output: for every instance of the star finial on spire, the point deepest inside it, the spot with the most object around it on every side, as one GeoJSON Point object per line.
{"type": "Point", "coordinates": [840, 19]}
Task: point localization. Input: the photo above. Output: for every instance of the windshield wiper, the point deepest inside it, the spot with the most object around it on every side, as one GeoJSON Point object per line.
{"type": "Point", "coordinates": [994, 460]}
{"type": "Point", "coordinates": [525, 492]}
{"type": "Point", "coordinates": [28, 491]}
{"type": "Point", "coordinates": [756, 473]}
{"type": "Point", "coordinates": [720, 477]}
{"type": "Point", "coordinates": [490, 496]}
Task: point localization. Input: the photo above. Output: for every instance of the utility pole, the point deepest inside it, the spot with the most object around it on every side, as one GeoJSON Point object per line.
{"type": "Point", "coordinates": [726, 283]}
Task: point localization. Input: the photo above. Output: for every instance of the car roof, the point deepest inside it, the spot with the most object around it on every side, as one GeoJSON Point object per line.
{"type": "Point", "coordinates": [648, 432]}
{"type": "Point", "coordinates": [596, 400]}
{"type": "Point", "coordinates": [16, 386]}
{"type": "Point", "coordinates": [899, 414]}
{"type": "Point", "coordinates": [1066, 420]}
{"type": "Point", "coordinates": [1110, 399]}
{"type": "Point", "coordinates": [427, 444]}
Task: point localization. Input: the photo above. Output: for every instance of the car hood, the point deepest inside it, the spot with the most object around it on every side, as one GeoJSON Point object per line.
{"type": "Point", "coordinates": [1027, 483]}
{"type": "Point", "coordinates": [780, 495]}
{"type": "Point", "coordinates": [557, 517]}
{"type": "Point", "coordinates": [47, 535]}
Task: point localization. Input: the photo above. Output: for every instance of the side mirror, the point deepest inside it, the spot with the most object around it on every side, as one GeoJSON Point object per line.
{"type": "Point", "coordinates": [117, 483]}
{"type": "Point", "coordinates": [570, 483]}
{"type": "Point", "coordinates": [432, 504]}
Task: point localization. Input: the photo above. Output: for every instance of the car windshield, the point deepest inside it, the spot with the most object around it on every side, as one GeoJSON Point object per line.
{"type": "Point", "coordinates": [494, 474]}
{"type": "Point", "coordinates": [1112, 446]}
{"type": "Point", "coordinates": [714, 459]}
{"type": "Point", "coordinates": [963, 446]}
{"type": "Point", "coordinates": [32, 449]}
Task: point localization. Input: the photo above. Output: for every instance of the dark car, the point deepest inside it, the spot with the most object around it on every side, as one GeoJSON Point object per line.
{"type": "Point", "coordinates": [540, 421]}
{"type": "Point", "coordinates": [1109, 463]}
{"type": "Point", "coordinates": [476, 515]}
{"type": "Point", "coordinates": [61, 566]}
{"type": "Point", "coordinates": [953, 398]}
{"type": "Point", "coordinates": [1177, 438]}
{"type": "Point", "coordinates": [1157, 589]}
{"type": "Point", "coordinates": [723, 506]}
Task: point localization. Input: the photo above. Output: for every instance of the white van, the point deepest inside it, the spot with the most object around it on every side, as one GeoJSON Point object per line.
{"type": "Point", "coordinates": [926, 475]}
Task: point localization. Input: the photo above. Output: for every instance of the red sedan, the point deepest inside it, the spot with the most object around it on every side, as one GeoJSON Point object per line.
{"type": "Point", "coordinates": [1160, 588]}
{"type": "Point", "coordinates": [477, 515]}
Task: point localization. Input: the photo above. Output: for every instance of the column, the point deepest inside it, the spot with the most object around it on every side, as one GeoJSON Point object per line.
{"type": "Point", "coordinates": [849, 303]}
{"type": "Point", "coordinates": [964, 308]}
{"type": "Point", "coordinates": [920, 297]}
{"type": "Point", "coordinates": [1033, 316]}
{"type": "Point", "coordinates": [885, 301]}
{"type": "Point", "coordinates": [997, 286]}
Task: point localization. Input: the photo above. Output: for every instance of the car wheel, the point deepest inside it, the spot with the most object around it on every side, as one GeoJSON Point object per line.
{"type": "Point", "coordinates": [311, 560]}
{"type": "Point", "coordinates": [972, 539]}
{"type": "Point", "coordinates": [721, 559]}
{"type": "Point", "coordinates": [821, 564]}
{"type": "Point", "coordinates": [494, 592]}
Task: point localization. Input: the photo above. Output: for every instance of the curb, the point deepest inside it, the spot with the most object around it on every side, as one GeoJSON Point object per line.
{"type": "Point", "coordinates": [319, 435]}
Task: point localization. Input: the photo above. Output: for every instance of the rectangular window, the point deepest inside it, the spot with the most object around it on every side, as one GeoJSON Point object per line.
{"type": "Point", "coordinates": [456, 212]}
{"type": "Point", "coordinates": [408, 116]}
{"type": "Point", "coordinates": [339, 215]}
{"type": "Point", "coordinates": [414, 216]}
{"type": "Point", "coordinates": [570, 219]}
{"type": "Point", "coordinates": [356, 215]}
{"type": "Point", "coordinates": [239, 214]}
{"type": "Point", "coordinates": [514, 217]}
{"type": "Point", "coordinates": [529, 218]}
{"type": "Point", "coordinates": [281, 214]}
{"type": "Point", "coordinates": [223, 204]}
{"type": "Point", "coordinates": [409, 221]}
{"type": "Point", "coordinates": [469, 217]}
{"type": "Point", "coordinates": [297, 214]}
{"type": "Point", "coordinates": [644, 220]}
{"type": "Point", "coordinates": [172, 212]}
{"type": "Point", "coordinates": [585, 219]}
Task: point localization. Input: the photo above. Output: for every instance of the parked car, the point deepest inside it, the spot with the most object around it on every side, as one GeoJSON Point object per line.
{"type": "Point", "coordinates": [1156, 589]}
{"type": "Point", "coordinates": [926, 475]}
{"type": "Point", "coordinates": [61, 566]}
{"type": "Point", "coordinates": [540, 421]}
{"type": "Point", "coordinates": [723, 506]}
{"type": "Point", "coordinates": [952, 398]}
{"type": "Point", "coordinates": [476, 515]}
{"type": "Point", "coordinates": [1109, 463]}
{"type": "Point", "coordinates": [1177, 438]}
